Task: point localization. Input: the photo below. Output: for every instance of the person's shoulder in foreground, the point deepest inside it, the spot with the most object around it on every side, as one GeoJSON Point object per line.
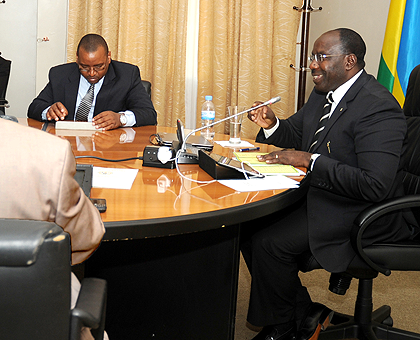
{"type": "Point", "coordinates": [37, 183]}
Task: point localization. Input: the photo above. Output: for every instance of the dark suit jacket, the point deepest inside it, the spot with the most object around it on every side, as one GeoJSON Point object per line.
{"type": "Point", "coordinates": [412, 98]}
{"type": "Point", "coordinates": [361, 148]}
{"type": "Point", "coordinates": [122, 90]}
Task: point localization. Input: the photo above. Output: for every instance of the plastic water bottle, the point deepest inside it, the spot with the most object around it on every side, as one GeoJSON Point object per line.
{"type": "Point", "coordinates": [208, 114]}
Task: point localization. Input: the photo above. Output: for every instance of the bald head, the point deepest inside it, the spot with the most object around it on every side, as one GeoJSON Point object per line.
{"type": "Point", "coordinates": [352, 43]}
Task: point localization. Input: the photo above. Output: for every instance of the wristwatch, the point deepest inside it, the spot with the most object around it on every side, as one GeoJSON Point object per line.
{"type": "Point", "coordinates": [123, 119]}
{"type": "Point", "coordinates": [123, 137]}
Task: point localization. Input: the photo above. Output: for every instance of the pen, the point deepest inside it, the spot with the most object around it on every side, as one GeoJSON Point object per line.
{"type": "Point", "coordinates": [249, 149]}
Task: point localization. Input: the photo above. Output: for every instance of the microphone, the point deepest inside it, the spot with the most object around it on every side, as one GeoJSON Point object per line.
{"type": "Point", "coordinates": [268, 102]}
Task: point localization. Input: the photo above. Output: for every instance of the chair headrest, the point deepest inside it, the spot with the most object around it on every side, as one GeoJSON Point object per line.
{"type": "Point", "coordinates": [21, 240]}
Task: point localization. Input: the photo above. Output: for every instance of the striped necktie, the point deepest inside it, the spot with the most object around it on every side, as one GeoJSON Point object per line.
{"type": "Point", "coordinates": [323, 120]}
{"type": "Point", "coordinates": [82, 112]}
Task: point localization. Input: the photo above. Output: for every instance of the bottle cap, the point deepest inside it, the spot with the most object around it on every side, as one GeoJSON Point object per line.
{"type": "Point", "coordinates": [208, 97]}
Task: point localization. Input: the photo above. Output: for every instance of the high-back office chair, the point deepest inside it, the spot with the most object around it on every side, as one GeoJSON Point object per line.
{"type": "Point", "coordinates": [412, 99]}
{"type": "Point", "coordinates": [148, 87]}
{"type": "Point", "coordinates": [35, 285]}
{"type": "Point", "coordinates": [4, 80]}
{"type": "Point", "coordinates": [378, 258]}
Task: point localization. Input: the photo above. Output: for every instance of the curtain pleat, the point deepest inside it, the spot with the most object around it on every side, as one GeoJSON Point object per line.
{"type": "Point", "coordinates": [245, 52]}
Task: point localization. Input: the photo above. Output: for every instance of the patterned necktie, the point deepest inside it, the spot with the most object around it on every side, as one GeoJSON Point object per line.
{"type": "Point", "coordinates": [323, 120]}
{"type": "Point", "coordinates": [82, 112]}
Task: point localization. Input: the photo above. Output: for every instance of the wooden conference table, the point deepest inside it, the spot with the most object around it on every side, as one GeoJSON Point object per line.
{"type": "Point", "coordinates": [170, 253]}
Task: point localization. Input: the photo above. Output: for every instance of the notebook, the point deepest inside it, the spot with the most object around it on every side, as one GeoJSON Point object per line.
{"type": "Point", "coordinates": [167, 139]}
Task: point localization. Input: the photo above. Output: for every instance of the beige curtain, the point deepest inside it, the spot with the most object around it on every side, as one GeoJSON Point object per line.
{"type": "Point", "coordinates": [245, 51]}
{"type": "Point", "coordinates": [148, 33]}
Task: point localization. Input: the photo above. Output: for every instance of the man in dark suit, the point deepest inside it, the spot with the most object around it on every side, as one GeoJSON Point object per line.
{"type": "Point", "coordinates": [119, 98]}
{"type": "Point", "coordinates": [353, 155]}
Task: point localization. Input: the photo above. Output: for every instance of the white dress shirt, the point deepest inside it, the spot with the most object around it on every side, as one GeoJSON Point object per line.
{"type": "Point", "coordinates": [83, 88]}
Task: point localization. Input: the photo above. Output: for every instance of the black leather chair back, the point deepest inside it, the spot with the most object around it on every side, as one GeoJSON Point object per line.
{"type": "Point", "coordinates": [34, 280]}
{"type": "Point", "coordinates": [411, 179]}
{"type": "Point", "coordinates": [412, 98]}
{"type": "Point", "coordinates": [412, 161]}
{"type": "Point", "coordinates": [147, 86]}
{"type": "Point", "coordinates": [4, 80]}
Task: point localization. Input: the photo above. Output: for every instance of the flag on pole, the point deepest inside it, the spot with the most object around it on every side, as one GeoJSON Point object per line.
{"type": "Point", "coordinates": [401, 49]}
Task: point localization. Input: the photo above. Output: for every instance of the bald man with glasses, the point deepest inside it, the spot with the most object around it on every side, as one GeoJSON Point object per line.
{"type": "Point", "coordinates": [350, 136]}
{"type": "Point", "coordinates": [95, 88]}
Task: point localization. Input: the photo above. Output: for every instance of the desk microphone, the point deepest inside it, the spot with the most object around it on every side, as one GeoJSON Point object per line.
{"type": "Point", "coordinates": [163, 157]}
{"type": "Point", "coordinates": [268, 102]}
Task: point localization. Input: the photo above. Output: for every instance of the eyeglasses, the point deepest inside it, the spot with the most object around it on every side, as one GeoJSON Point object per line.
{"type": "Point", "coordinates": [319, 57]}
{"type": "Point", "coordinates": [95, 68]}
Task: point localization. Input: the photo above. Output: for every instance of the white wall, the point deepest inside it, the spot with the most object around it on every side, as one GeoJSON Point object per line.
{"type": "Point", "coordinates": [18, 20]}
{"type": "Point", "coordinates": [52, 23]}
{"type": "Point", "coordinates": [23, 24]}
{"type": "Point", "coordinates": [367, 17]}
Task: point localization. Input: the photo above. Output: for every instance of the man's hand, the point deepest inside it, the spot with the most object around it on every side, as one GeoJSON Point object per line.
{"type": "Point", "coordinates": [263, 116]}
{"type": "Point", "coordinates": [57, 111]}
{"type": "Point", "coordinates": [289, 157]}
{"type": "Point", "coordinates": [107, 120]}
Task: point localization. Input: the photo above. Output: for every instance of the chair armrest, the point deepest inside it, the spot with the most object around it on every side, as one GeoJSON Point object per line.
{"type": "Point", "coordinates": [4, 103]}
{"type": "Point", "coordinates": [90, 308]}
{"type": "Point", "coordinates": [372, 213]}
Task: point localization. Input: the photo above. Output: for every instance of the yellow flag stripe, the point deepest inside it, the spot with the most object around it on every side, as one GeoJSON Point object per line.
{"type": "Point", "coordinates": [397, 91]}
{"type": "Point", "coordinates": [392, 37]}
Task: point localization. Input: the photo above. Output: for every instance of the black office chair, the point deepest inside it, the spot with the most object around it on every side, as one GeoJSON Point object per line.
{"type": "Point", "coordinates": [35, 285]}
{"type": "Point", "coordinates": [377, 258]}
{"type": "Point", "coordinates": [148, 87]}
{"type": "Point", "coordinates": [412, 99]}
{"type": "Point", "coordinates": [4, 80]}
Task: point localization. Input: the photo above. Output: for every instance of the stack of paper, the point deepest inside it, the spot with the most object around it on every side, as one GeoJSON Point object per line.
{"type": "Point", "coordinates": [267, 169]}
{"type": "Point", "coordinates": [259, 184]}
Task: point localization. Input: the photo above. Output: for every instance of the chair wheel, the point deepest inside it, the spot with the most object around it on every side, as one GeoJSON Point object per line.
{"type": "Point", "coordinates": [388, 321]}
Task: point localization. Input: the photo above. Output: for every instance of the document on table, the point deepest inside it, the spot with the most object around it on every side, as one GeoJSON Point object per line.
{"type": "Point", "coordinates": [113, 178]}
{"type": "Point", "coordinates": [71, 125]}
{"type": "Point", "coordinates": [258, 184]}
{"type": "Point", "coordinates": [267, 169]}
{"type": "Point", "coordinates": [242, 144]}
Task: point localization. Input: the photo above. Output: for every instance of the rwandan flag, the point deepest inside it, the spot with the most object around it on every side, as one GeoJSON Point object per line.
{"type": "Point", "coordinates": [401, 48]}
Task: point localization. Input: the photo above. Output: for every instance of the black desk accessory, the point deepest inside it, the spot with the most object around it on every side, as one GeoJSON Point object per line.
{"type": "Point", "coordinates": [220, 167]}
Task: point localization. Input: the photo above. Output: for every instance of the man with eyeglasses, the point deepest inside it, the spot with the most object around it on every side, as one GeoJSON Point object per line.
{"type": "Point", "coordinates": [95, 88]}
{"type": "Point", "coordinates": [350, 136]}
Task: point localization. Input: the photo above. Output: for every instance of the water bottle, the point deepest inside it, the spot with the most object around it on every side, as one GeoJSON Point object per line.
{"type": "Point", "coordinates": [208, 114]}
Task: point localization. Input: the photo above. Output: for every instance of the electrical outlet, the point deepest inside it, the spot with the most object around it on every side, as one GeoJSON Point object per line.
{"type": "Point", "coordinates": [150, 158]}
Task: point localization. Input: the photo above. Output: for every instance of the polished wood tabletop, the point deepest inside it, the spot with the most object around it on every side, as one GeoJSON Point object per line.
{"type": "Point", "coordinates": [160, 197]}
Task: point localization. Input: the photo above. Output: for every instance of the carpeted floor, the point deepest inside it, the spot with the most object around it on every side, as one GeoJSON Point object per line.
{"type": "Point", "coordinates": [401, 291]}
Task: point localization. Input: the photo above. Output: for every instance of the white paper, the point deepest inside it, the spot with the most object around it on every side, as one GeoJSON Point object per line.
{"type": "Point", "coordinates": [113, 178]}
{"type": "Point", "coordinates": [259, 184]}
{"type": "Point", "coordinates": [71, 125]}
{"type": "Point", "coordinates": [242, 144]}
